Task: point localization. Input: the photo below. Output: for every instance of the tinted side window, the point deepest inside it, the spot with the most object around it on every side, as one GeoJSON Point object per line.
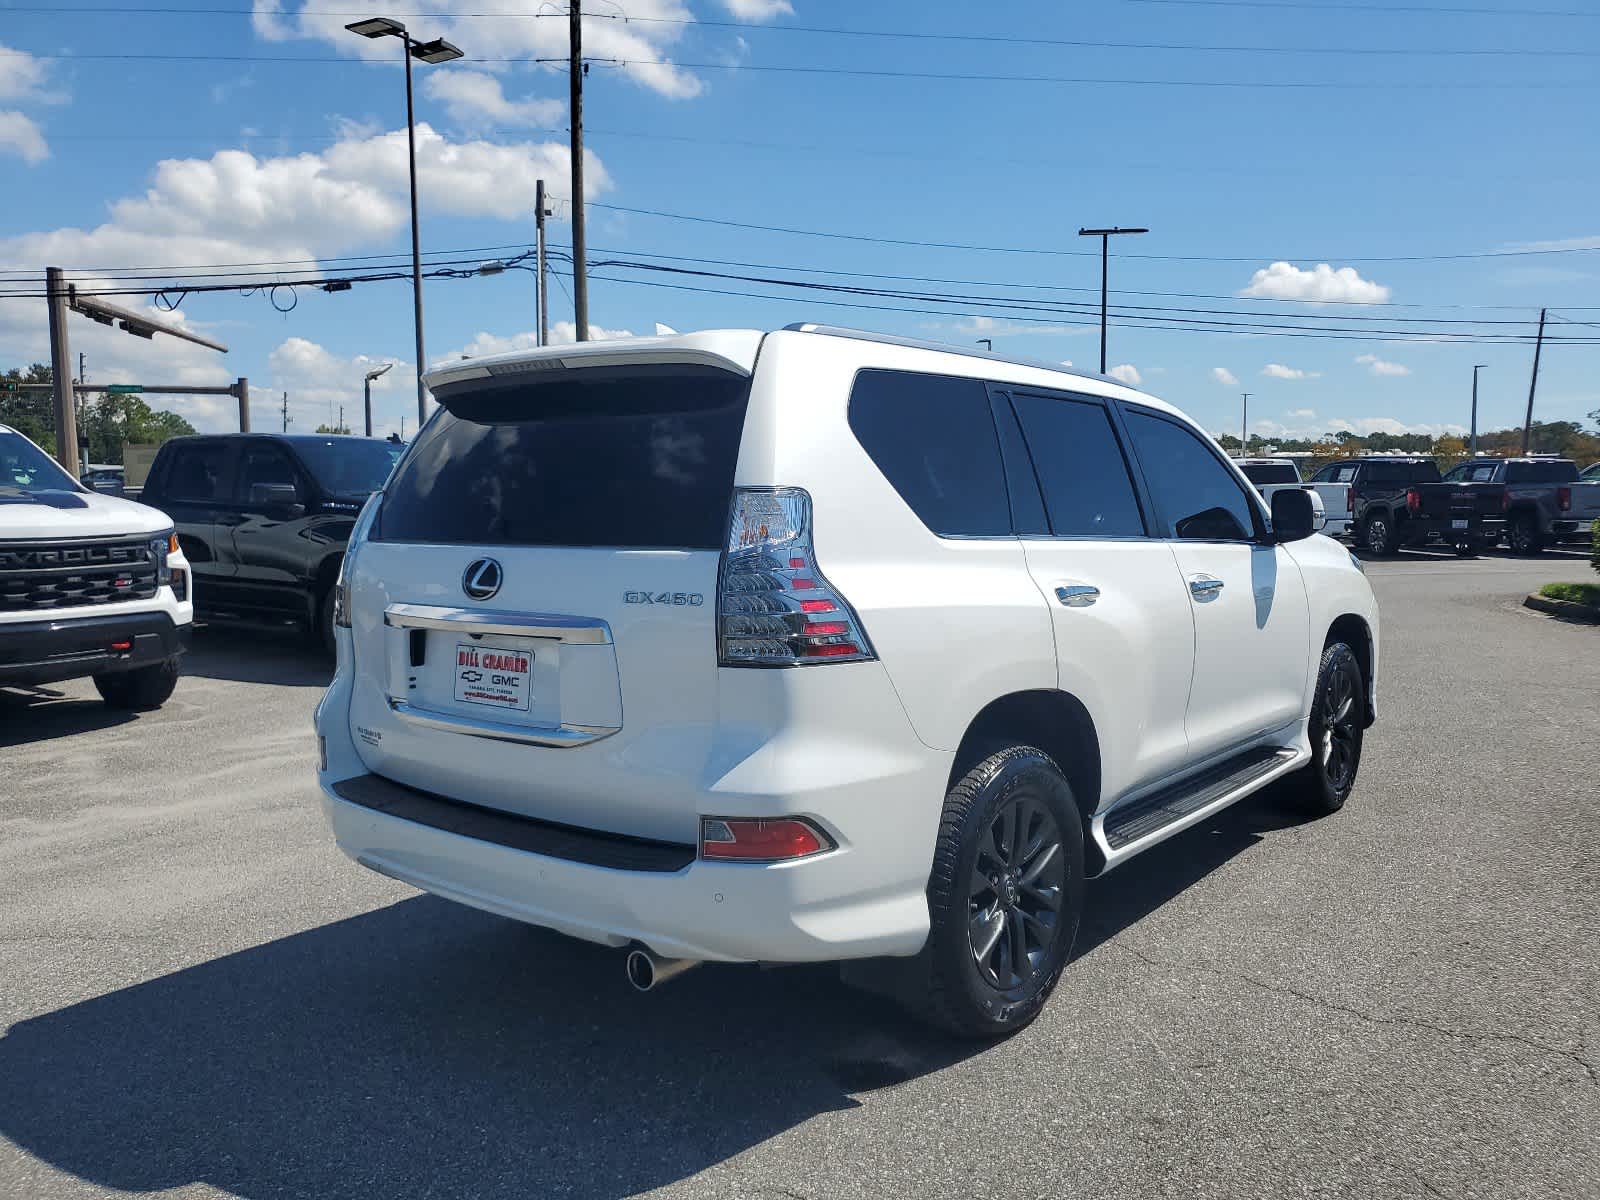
{"type": "Point", "coordinates": [1197, 495]}
{"type": "Point", "coordinates": [198, 473]}
{"type": "Point", "coordinates": [1087, 490]}
{"type": "Point", "coordinates": [934, 440]}
{"type": "Point", "coordinates": [261, 464]}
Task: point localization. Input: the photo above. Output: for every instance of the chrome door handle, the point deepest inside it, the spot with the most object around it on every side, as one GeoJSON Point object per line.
{"type": "Point", "coordinates": [1204, 586]}
{"type": "Point", "coordinates": [1077, 595]}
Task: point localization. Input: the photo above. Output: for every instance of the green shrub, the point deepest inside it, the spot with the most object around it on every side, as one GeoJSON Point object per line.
{"type": "Point", "coordinates": [1576, 593]}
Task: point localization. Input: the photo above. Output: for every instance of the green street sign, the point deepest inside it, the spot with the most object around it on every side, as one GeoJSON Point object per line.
{"type": "Point", "coordinates": [124, 389]}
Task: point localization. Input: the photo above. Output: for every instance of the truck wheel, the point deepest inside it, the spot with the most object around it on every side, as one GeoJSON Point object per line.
{"type": "Point", "coordinates": [1522, 535]}
{"type": "Point", "coordinates": [1335, 729]}
{"type": "Point", "coordinates": [1005, 895]}
{"type": "Point", "coordinates": [1378, 535]}
{"type": "Point", "coordinates": [139, 690]}
{"type": "Point", "coordinates": [325, 624]}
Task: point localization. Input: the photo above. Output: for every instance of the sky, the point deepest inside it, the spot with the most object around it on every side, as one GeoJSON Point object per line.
{"type": "Point", "coordinates": [1412, 177]}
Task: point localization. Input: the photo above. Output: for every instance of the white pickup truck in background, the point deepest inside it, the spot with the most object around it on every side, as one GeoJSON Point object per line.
{"type": "Point", "coordinates": [1278, 474]}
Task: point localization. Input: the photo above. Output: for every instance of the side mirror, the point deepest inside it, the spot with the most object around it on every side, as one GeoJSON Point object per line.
{"type": "Point", "coordinates": [278, 500]}
{"type": "Point", "coordinates": [1293, 516]}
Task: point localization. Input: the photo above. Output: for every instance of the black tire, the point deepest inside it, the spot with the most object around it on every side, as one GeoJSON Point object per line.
{"type": "Point", "coordinates": [1379, 536]}
{"type": "Point", "coordinates": [139, 690]}
{"type": "Point", "coordinates": [1336, 726]}
{"type": "Point", "coordinates": [324, 631]}
{"type": "Point", "coordinates": [1032, 888]}
{"type": "Point", "coordinates": [1522, 535]}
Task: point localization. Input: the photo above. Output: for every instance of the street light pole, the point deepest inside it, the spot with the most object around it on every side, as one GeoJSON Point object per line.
{"type": "Point", "coordinates": [367, 390]}
{"type": "Point", "coordinates": [543, 337]}
{"type": "Point", "coordinates": [416, 234]}
{"type": "Point", "coordinates": [1105, 236]}
{"type": "Point", "coordinates": [436, 51]}
{"type": "Point", "coordinates": [1475, 369]}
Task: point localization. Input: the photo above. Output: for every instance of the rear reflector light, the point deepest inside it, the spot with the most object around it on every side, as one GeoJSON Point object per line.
{"type": "Point", "coordinates": [1413, 500]}
{"type": "Point", "coordinates": [121, 646]}
{"type": "Point", "coordinates": [1349, 500]}
{"type": "Point", "coordinates": [1564, 499]}
{"type": "Point", "coordinates": [770, 591]}
{"type": "Point", "coordinates": [760, 840]}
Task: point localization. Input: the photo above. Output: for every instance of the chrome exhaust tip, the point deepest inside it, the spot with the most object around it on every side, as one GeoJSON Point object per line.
{"type": "Point", "coordinates": [646, 969]}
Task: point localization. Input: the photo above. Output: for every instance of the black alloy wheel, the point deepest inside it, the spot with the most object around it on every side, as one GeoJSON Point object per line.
{"type": "Point", "coordinates": [1015, 893]}
{"type": "Point", "coordinates": [1339, 748]}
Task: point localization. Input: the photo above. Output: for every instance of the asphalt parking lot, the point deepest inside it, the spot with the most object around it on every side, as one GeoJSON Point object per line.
{"type": "Point", "coordinates": [199, 996]}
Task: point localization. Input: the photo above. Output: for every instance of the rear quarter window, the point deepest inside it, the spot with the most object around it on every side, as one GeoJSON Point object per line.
{"type": "Point", "coordinates": [934, 440]}
{"type": "Point", "coordinates": [635, 457]}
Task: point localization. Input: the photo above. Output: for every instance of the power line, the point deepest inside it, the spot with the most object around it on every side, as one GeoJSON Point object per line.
{"type": "Point", "coordinates": [840, 31]}
{"type": "Point", "coordinates": [1368, 9]}
{"type": "Point", "coordinates": [1473, 84]}
{"type": "Point", "coordinates": [1036, 250]}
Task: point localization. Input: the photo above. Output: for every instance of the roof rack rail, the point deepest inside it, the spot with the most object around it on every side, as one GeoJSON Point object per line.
{"type": "Point", "coordinates": [890, 339]}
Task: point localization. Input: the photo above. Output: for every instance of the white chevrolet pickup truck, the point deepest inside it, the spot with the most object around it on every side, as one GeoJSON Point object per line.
{"type": "Point", "coordinates": [90, 585]}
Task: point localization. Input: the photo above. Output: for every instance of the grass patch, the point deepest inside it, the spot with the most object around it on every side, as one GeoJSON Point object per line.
{"type": "Point", "coordinates": [1576, 593]}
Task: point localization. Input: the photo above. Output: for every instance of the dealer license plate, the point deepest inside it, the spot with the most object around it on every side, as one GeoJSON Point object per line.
{"type": "Point", "coordinates": [496, 676]}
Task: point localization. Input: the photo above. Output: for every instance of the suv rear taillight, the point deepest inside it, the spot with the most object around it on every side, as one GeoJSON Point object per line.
{"type": "Point", "coordinates": [1413, 500]}
{"type": "Point", "coordinates": [774, 608]}
{"type": "Point", "coordinates": [1564, 499]}
{"type": "Point", "coordinates": [341, 585]}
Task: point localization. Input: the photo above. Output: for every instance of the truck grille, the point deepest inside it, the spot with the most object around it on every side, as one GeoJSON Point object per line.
{"type": "Point", "coordinates": [39, 576]}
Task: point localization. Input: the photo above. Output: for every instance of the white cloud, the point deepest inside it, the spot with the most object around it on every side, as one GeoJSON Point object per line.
{"type": "Point", "coordinates": [319, 381]}
{"type": "Point", "coordinates": [1379, 367]}
{"type": "Point", "coordinates": [20, 136]}
{"type": "Point", "coordinates": [22, 80]}
{"type": "Point", "coordinates": [1066, 362]}
{"type": "Point", "coordinates": [759, 10]}
{"type": "Point", "coordinates": [235, 207]}
{"type": "Point", "coordinates": [1224, 376]}
{"type": "Point", "coordinates": [1279, 371]}
{"type": "Point", "coordinates": [495, 28]}
{"type": "Point", "coordinates": [477, 100]}
{"type": "Point", "coordinates": [22, 76]}
{"type": "Point", "coordinates": [1285, 281]}
{"type": "Point", "coordinates": [562, 333]}
{"type": "Point", "coordinates": [1127, 373]}
{"type": "Point", "coordinates": [1303, 414]}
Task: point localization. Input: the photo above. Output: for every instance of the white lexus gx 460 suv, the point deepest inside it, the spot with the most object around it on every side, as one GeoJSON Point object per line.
{"type": "Point", "coordinates": [818, 645]}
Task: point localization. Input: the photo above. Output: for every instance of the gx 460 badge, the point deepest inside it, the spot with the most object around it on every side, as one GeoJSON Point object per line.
{"type": "Point", "coordinates": [675, 599]}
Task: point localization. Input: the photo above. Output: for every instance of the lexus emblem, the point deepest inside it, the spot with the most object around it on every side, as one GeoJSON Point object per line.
{"type": "Point", "coordinates": [481, 579]}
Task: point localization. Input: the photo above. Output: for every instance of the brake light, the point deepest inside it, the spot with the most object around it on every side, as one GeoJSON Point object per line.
{"type": "Point", "coordinates": [734, 839]}
{"type": "Point", "coordinates": [774, 607]}
{"type": "Point", "coordinates": [1350, 500]}
{"type": "Point", "coordinates": [1564, 499]}
{"type": "Point", "coordinates": [1413, 500]}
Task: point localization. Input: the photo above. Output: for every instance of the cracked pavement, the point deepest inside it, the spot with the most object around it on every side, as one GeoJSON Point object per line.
{"type": "Point", "coordinates": [199, 997]}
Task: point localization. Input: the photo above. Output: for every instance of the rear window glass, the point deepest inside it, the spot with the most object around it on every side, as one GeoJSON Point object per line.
{"type": "Point", "coordinates": [1403, 472]}
{"type": "Point", "coordinates": [1541, 472]}
{"type": "Point", "coordinates": [933, 438]}
{"type": "Point", "coordinates": [349, 466]}
{"type": "Point", "coordinates": [1263, 473]}
{"type": "Point", "coordinates": [633, 457]}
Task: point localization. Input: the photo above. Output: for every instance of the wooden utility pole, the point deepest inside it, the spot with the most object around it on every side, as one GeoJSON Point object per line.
{"type": "Point", "coordinates": [286, 412]}
{"type": "Point", "coordinates": [543, 326]}
{"type": "Point", "coordinates": [580, 270]}
{"type": "Point", "coordinates": [1527, 424]}
{"type": "Point", "coordinates": [66, 411]}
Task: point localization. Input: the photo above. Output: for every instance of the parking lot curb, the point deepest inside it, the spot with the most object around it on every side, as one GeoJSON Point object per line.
{"type": "Point", "coordinates": [1563, 608]}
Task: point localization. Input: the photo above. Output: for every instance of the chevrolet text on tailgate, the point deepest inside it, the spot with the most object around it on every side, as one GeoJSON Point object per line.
{"type": "Point", "coordinates": [816, 645]}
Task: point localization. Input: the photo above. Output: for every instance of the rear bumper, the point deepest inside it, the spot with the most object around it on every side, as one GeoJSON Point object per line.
{"type": "Point", "coordinates": [1476, 529]}
{"type": "Point", "coordinates": [818, 909]}
{"type": "Point", "coordinates": [49, 651]}
{"type": "Point", "coordinates": [853, 766]}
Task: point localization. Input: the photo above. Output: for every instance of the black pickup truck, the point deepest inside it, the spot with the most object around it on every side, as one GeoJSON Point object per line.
{"type": "Point", "coordinates": [264, 518]}
{"type": "Point", "coordinates": [1397, 502]}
